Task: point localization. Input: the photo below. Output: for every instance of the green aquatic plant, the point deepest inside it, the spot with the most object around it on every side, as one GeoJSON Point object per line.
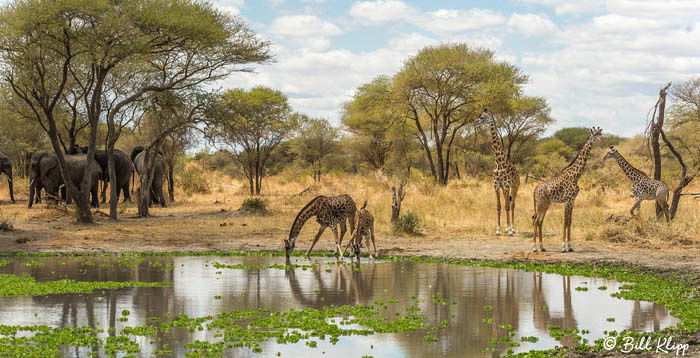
{"type": "Point", "coordinates": [11, 285]}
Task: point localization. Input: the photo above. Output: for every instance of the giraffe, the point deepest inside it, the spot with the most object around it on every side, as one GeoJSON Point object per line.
{"type": "Point", "coordinates": [562, 189]}
{"type": "Point", "coordinates": [329, 212]}
{"type": "Point", "coordinates": [506, 178]}
{"type": "Point", "coordinates": [364, 229]}
{"type": "Point", "coordinates": [643, 187]}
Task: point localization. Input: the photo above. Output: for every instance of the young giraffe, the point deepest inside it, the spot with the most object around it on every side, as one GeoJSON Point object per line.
{"type": "Point", "coordinates": [562, 189]}
{"type": "Point", "coordinates": [643, 187]}
{"type": "Point", "coordinates": [506, 178]}
{"type": "Point", "coordinates": [364, 229]}
{"type": "Point", "coordinates": [329, 212]}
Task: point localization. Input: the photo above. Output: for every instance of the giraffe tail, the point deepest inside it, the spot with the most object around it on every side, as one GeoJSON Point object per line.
{"type": "Point", "coordinates": [364, 205]}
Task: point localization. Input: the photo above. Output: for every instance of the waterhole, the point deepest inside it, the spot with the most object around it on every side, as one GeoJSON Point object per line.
{"type": "Point", "coordinates": [237, 306]}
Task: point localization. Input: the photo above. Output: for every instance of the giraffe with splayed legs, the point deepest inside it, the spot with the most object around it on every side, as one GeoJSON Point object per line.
{"type": "Point", "coordinates": [506, 179]}
{"type": "Point", "coordinates": [364, 230]}
{"type": "Point", "coordinates": [643, 187]}
{"type": "Point", "coordinates": [562, 189]}
{"type": "Point", "coordinates": [329, 212]}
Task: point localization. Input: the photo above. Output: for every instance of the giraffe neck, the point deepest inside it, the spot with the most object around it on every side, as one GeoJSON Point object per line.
{"type": "Point", "coordinates": [632, 173]}
{"type": "Point", "coordinates": [496, 144]}
{"type": "Point", "coordinates": [307, 212]}
{"type": "Point", "coordinates": [575, 169]}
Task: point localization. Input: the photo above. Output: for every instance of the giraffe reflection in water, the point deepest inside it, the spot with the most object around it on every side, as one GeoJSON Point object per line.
{"type": "Point", "coordinates": [442, 292]}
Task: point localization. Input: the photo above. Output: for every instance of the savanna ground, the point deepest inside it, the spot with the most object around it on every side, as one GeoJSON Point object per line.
{"type": "Point", "coordinates": [456, 221]}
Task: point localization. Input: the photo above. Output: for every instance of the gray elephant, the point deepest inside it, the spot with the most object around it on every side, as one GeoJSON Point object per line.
{"type": "Point", "coordinates": [123, 168]}
{"type": "Point", "coordinates": [138, 155]}
{"type": "Point", "coordinates": [44, 172]}
{"type": "Point", "coordinates": [6, 167]}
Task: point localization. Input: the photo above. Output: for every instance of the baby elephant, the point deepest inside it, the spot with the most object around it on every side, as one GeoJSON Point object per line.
{"type": "Point", "coordinates": [643, 187]}
{"type": "Point", "coordinates": [364, 229]}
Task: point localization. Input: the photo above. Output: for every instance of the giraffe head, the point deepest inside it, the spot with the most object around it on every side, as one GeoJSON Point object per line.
{"type": "Point", "coordinates": [483, 118]}
{"type": "Point", "coordinates": [596, 134]}
{"type": "Point", "coordinates": [612, 153]}
{"type": "Point", "coordinates": [289, 246]}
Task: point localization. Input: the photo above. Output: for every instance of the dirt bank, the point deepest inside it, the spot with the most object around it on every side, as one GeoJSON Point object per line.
{"type": "Point", "coordinates": [218, 227]}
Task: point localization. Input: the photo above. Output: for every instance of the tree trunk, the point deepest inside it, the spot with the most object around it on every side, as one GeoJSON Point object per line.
{"type": "Point", "coordinates": [656, 128]}
{"type": "Point", "coordinates": [682, 182]}
{"type": "Point", "coordinates": [396, 199]}
{"type": "Point", "coordinates": [171, 185]}
{"type": "Point", "coordinates": [144, 193]}
{"type": "Point", "coordinates": [113, 187]}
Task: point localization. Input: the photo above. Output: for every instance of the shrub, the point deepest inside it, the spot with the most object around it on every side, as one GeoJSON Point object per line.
{"type": "Point", "coordinates": [6, 224]}
{"type": "Point", "coordinates": [406, 224]}
{"type": "Point", "coordinates": [255, 206]}
{"type": "Point", "coordinates": [193, 179]}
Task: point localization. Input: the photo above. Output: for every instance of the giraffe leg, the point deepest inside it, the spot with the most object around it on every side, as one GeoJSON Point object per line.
{"type": "Point", "coordinates": [337, 241]}
{"type": "Point", "coordinates": [637, 205]}
{"type": "Point", "coordinates": [568, 210]}
{"type": "Point", "coordinates": [541, 207]}
{"type": "Point", "coordinates": [513, 195]}
{"type": "Point", "coordinates": [343, 229]}
{"type": "Point", "coordinates": [498, 210]}
{"type": "Point", "coordinates": [318, 236]}
{"type": "Point", "coordinates": [371, 233]}
{"type": "Point", "coordinates": [506, 198]}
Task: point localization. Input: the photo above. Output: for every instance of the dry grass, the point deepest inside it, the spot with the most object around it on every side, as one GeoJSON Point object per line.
{"type": "Point", "coordinates": [465, 208]}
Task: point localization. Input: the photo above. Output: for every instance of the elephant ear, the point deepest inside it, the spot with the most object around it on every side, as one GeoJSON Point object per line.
{"type": "Point", "coordinates": [47, 162]}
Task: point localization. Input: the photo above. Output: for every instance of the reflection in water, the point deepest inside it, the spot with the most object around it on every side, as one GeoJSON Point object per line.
{"type": "Point", "coordinates": [529, 302]}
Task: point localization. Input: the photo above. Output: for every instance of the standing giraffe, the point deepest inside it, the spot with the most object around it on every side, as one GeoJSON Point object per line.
{"type": "Point", "coordinates": [506, 178]}
{"type": "Point", "coordinates": [643, 187]}
{"type": "Point", "coordinates": [364, 230]}
{"type": "Point", "coordinates": [329, 212]}
{"type": "Point", "coordinates": [562, 189]}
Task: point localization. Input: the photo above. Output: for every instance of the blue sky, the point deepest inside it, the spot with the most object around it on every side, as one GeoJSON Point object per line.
{"type": "Point", "coordinates": [597, 62]}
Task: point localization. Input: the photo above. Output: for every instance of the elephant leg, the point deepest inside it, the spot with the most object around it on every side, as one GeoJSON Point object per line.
{"type": "Point", "coordinates": [161, 197]}
{"type": "Point", "coordinates": [104, 191]}
{"type": "Point", "coordinates": [12, 194]}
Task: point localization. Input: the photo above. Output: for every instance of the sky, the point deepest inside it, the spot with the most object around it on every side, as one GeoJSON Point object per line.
{"type": "Point", "coordinates": [598, 63]}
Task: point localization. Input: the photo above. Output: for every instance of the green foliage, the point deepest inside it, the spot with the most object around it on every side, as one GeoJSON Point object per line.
{"type": "Point", "coordinates": [254, 206]}
{"type": "Point", "coordinates": [406, 224]}
{"type": "Point", "coordinates": [573, 137]}
{"type": "Point", "coordinates": [193, 179]}
{"type": "Point", "coordinates": [316, 139]}
{"type": "Point", "coordinates": [251, 123]}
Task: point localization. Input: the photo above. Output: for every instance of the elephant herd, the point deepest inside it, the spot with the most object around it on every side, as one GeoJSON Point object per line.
{"type": "Point", "coordinates": [45, 174]}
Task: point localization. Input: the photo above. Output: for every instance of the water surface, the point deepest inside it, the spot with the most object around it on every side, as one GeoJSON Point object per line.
{"type": "Point", "coordinates": [529, 302]}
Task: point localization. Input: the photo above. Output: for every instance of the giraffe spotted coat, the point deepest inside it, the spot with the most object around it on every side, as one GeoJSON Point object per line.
{"type": "Point", "coordinates": [506, 179]}
{"type": "Point", "coordinates": [561, 189]}
{"type": "Point", "coordinates": [329, 212]}
{"type": "Point", "coordinates": [643, 187]}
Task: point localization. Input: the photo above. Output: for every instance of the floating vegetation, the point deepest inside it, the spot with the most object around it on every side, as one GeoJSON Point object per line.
{"type": "Point", "coordinates": [11, 285]}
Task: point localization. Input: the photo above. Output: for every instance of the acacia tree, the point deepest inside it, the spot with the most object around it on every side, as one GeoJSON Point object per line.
{"type": "Point", "coordinates": [141, 45]}
{"type": "Point", "coordinates": [37, 53]}
{"type": "Point", "coordinates": [251, 123]}
{"type": "Point", "coordinates": [165, 114]}
{"type": "Point", "coordinates": [444, 88]}
{"type": "Point", "coordinates": [524, 120]}
{"type": "Point", "coordinates": [317, 138]}
{"type": "Point", "coordinates": [369, 116]}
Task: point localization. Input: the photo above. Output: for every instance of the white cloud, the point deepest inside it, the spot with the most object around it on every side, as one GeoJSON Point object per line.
{"type": "Point", "coordinates": [302, 26]}
{"type": "Point", "coordinates": [305, 31]}
{"type": "Point", "coordinates": [572, 7]}
{"type": "Point", "coordinates": [532, 24]}
{"type": "Point", "coordinates": [452, 21]}
{"type": "Point", "coordinates": [381, 12]}
{"type": "Point", "coordinates": [232, 7]}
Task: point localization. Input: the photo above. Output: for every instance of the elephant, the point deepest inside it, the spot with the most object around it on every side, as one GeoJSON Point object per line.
{"type": "Point", "coordinates": [123, 168]}
{"type": "Point", "coordinates": [139, 157]}
{"type": "Point", "coordinates": [45, 172]}
{"type": "Point", "coordinates": [6, 167]}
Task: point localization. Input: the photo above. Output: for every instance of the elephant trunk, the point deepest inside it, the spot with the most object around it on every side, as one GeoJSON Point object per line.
{"type": "Point", "coordinates": [32, 186]}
